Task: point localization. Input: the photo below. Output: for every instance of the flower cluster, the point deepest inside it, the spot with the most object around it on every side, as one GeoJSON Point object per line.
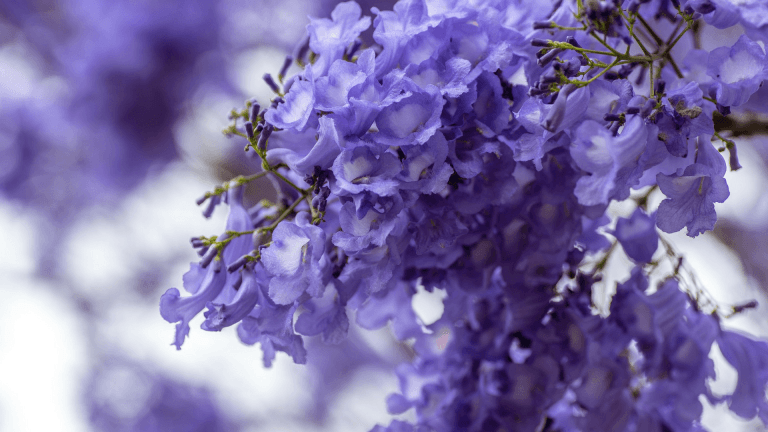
{"type": "Point", "coordinates": [475, 149]}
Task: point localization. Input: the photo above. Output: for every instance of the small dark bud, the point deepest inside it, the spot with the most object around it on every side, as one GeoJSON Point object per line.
{"type": "Point", "coordinates": [283, 70]}
{"type": "Point", "coordinates": [249, 130]}
{"type": "Point", "coordinates": [238, 263]}
{"type": "Point", "coordinates": [649, 106]}
{"type": "Point", "coordinates": [255, 108]}
{"type": "Point", "coordinates": [615, 128]}
{"type": "Point", "coordinates": [271, 83]}
{"type": "Point", "coordinates": [572, 40]}
{"type": "Point", "coordinates": [259, 238]}
{"type": "Point", "coordinates": [301, 50]}
{"type": "Point", "coordinates": [262, 144]}
{"type": "Point", "coordinates": [733, 160]}
{"type": "Point", "coordinates": [746, 306]}
{"type": "Point", "coordinates": [212, 203]}
{"type": "Point", "coordinates": [539, 42]}
{"type": "Point", "coordinates": [276, 101]}
{"type": "Point", "coordinates": [548, 79]}
{"type": "Point", "coordinates": [548, 57]}
{"type": "Point", "coordinates": [705, 7]}
{"type": "Point", "coordinates": [208, 257]}
{"type": "Point", "coordinates": [633, 110]}
{"type": "Point", "coordinates": [202, 199]}
{"type": "Point", "coordinates": [661, 85]}
{"type": "Point", "coordinates": [612, 117]}
{"type": "Point", "coordinates": [541, 25]}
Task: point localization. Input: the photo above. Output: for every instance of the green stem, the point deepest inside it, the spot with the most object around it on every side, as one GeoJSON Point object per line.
{"type": "Point", "coordinates": [285, 214]}
{"type": "Point", "coordinates": [288, 182]}
{"type": "Point", "coordinates": [589, 81]}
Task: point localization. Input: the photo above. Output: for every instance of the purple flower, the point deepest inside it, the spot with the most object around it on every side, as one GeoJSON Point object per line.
{"type": "Point", "coordinates": [207, 284]}
{"type": "Point", "coordinates": [691, 196]}
{"type": "Point", "coordinates": [295, 112]}
{"type": "Point", "coordinates": [330, 37]}
{"type": "Point", "coordinates": [750, 359]}
{"type": "Point", "coordinates": [638, 236]}
{"type": "Point", "coordinates": [296, 260]}
{"type": "Point", "coordinates": [609, 160]}
{"type": "Point", "coordinates": [738, 71]}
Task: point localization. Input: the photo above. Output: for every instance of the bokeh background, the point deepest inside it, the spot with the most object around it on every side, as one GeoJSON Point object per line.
{"type": "Point", "coordinates": [110, 127]}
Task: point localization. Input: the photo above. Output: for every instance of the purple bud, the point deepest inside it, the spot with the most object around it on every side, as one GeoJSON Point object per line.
{"type": "Point", "coordinates": [633, 110]}
{"type": "Point", "coordinates": [202, 199]}
{"type": "Point", "coordinates": [212, 203]}
{"type": "Point", "coordinates": [548, 79]}
{"type": "Point", "coordinates": [572, 67]}
{"type": "Point", "coordinates": [746, 306]}
{"type": "Point", "coordinates": [661, 85]}
{"type": "Point", "coordinates": [263, 116]}
{"type": "Point", "coordinates": [276, 101]}
{"type": "Point", "coordinates": [633, 7]}
{"type": "Point", "coordinates": [676, 4]}
{"type": "Point", "coordinates": [238, 263]}
{"type": "Point", "coordinates": [705, 7]}
{"type": "Point", "coordinates": [203, 250]}
{"type": "Point", "coordinates": [548, 57]}
{"type": "Point", "coordinates": [259, 238]}
{"type": "Point", "coordinates": [611, 117]}
{"type": "Point", "coordinates": [208, 257]}
{"type": "Point", "coordinates": [541, 25]}
{"type": "Point", "coordinates": [733, 160]}
{"type": "Point", "coordinates": [649, 106]}
{"type": "Point", "coordinates": [262, 144]}
{"type": "Point", "coordinates": [249, 130]}
{"type": "Point", "coordinates": [322, 205]}
{"type": "Point", "coordinates": [255, 107]}
{"type": "Point", "coordinates": [539, 42]}
{"type": "Point", "coordinates": [301, 50]}
{"type": "Point", "coordinates": [286, 64]}
{"type": "Point", "coordinates": [615, 128]}
{"type": "Point", "coordinates": [572, 40]}
{"type": "Point", "coordinates": [271, 83]}
{"type": "Point", "coordinates": [196, 242]}
{"type": "Point", "coordinates": [259, 127]}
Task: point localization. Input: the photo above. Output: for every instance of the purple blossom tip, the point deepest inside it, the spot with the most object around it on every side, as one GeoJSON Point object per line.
{"type": "Point", "coordinates": [271, 83]}
{"type": "Point", "coordinates": [249, 130]}
{"type": "Point", "coordinates": [284, 69]}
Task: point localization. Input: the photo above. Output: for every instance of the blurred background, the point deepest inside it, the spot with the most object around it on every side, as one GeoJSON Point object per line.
{"type": "Point", "coordinates": [110, 127]}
